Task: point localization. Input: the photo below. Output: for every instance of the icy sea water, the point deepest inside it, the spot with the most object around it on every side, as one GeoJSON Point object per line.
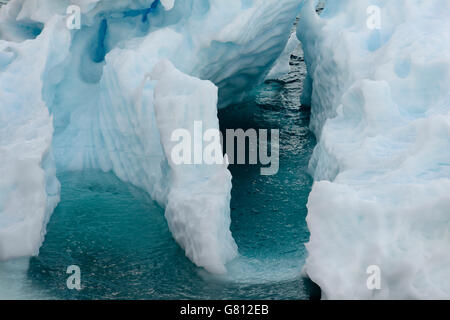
{"type": "Point", "coordinates": [120, 240]}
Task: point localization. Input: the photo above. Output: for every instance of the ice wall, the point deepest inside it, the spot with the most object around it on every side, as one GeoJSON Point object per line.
{"type": "Point", "coordinates": [282, 66]}
{"type": "Point", "coordinates": [29, 188]}
{"type": "Point", "coordinates": [380, 109]}
{"type": "Point", "coordinates": [198, 201]}
{"type": "Point", "coordinates": [73, 99]}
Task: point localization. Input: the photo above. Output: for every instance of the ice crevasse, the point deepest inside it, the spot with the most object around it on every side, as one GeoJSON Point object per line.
{"type": "Point", "coordinates": [74, 99]}
{"type": "Point", "coordinates": [380, 110]}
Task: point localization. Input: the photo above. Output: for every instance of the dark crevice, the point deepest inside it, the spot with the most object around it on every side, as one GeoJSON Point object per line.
{"type": "Point", "coordinates": [268, 213]}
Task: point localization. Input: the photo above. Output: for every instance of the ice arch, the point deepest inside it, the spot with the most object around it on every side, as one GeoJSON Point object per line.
{"type": "Point", "coordinates": [73, 99]}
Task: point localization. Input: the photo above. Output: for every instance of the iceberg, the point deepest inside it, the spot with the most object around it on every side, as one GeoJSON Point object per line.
{"type": "Point", "coordinates": [380, 111]}
{"type": "Point", "coordinates": [282, 67]}
{"type": "Point", "coordinates": [82, 98]}
{"type": "Point", "coordinates": [107, 88]}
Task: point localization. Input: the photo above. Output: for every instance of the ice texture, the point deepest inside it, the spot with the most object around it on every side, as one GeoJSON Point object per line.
{"type": "Point", "coordinates": [29, 188]}
{"type": "Point", "coordinates": [282, 67]}
{"type": "Point", "coordinates": [380, 110]}
{"type": "Point", "coordinates": [82, 99]}
{"type": "Point", "coordinates": [198, 201]}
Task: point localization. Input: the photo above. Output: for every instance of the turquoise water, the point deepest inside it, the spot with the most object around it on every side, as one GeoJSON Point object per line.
{"type": "Point", "coordinates": [120, 240]}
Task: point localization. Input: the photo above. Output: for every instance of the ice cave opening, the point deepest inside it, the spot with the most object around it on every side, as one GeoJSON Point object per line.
{"type": "Point", "coordinates": [109, 195]}
{"type": "Point", "coordinates": [270, 232]}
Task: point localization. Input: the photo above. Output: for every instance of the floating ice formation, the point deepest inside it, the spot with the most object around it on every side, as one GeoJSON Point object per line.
{"type": "Point", "coordinates": [282, 66]}
{"type": "Point", "coordinates": [198, 201]}
{"type": "Point", "coordinates": [74, 99]}
{"type": "Point", "coordinates": [380, 109]}
{"type": "Point", "coordinates": [29, 188]}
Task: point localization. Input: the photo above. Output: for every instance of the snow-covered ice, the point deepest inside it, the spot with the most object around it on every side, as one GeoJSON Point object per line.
{"type": "Point", "coordinates": [380, 110]}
